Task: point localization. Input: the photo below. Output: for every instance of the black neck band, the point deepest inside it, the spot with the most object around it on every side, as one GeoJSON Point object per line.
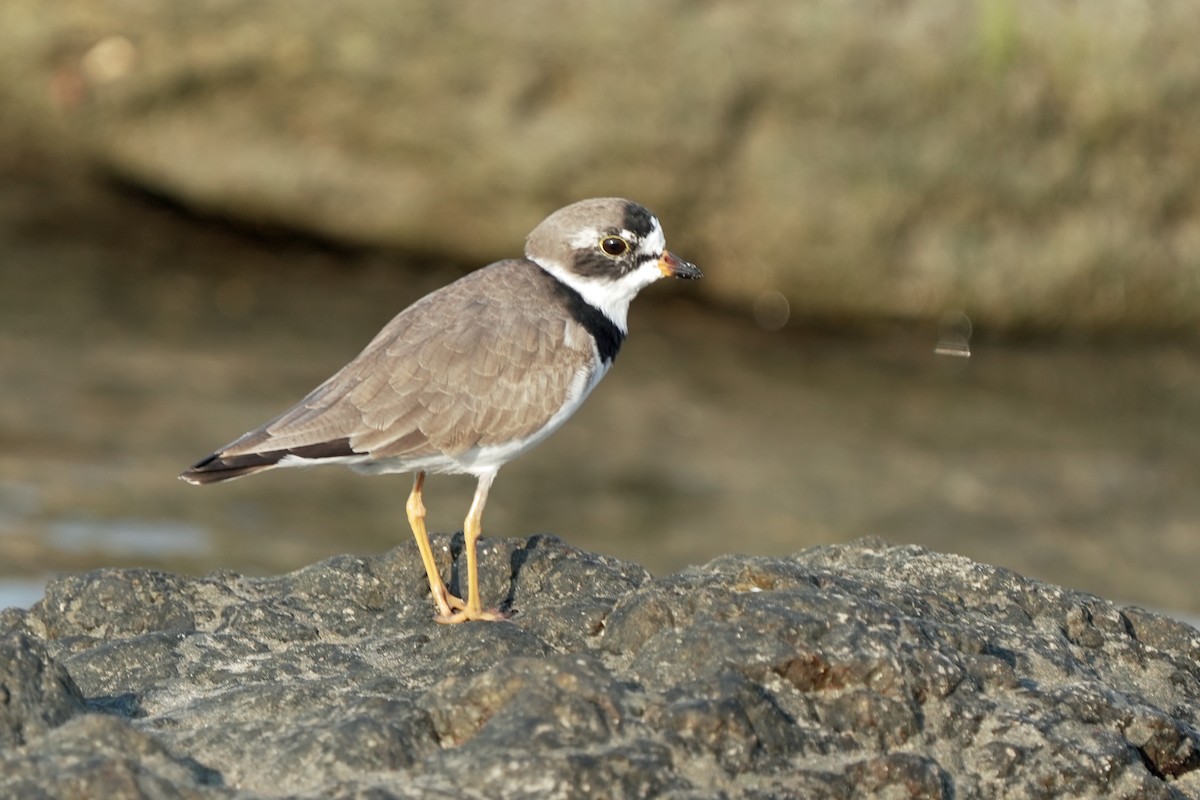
{"type": "Point", "coordinates": [606, 333]}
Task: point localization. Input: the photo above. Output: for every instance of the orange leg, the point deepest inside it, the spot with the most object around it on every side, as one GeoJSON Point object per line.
{"type": "Point", "coordinates": [416, 520]}
{"type": "Point", "coordinates": [472, 528]}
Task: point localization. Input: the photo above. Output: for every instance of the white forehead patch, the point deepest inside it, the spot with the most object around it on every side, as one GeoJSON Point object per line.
{"type": "Point", "coordinates": [653, 245]}
{"type": "Point", "coordinates": [655, 242]}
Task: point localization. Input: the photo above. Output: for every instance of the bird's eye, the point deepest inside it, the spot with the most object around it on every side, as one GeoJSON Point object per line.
{"type": "Point", "coordinates": [614, 245]}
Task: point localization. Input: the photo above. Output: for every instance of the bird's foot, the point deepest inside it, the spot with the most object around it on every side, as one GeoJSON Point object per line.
{"type": "Point", "coordinates": [447, 604]}
{"type": "Point", "coordinates": [465, 614]}
{"type": "Point", "coordinates": [452, 610]}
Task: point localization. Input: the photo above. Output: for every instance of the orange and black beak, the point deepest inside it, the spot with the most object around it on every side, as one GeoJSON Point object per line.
{"type": "Point", "coordinates": [673, 266]}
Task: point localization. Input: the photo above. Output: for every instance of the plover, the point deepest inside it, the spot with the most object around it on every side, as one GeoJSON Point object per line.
{"type": "Point", "coordinates": [474, 374]}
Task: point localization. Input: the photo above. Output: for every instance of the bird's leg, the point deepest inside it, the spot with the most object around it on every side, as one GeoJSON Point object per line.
{"type": "Point", "coordinates": [472, 528]}
{"type": "Point", "coordinates": [416, 520]}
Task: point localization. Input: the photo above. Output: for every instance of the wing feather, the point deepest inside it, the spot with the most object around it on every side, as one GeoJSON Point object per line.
{"type": "Point", "coordinates": [485, 360]}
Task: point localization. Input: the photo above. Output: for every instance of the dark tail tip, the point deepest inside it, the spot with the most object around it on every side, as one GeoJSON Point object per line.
{"type": "Point", "coordinates": [219, 467]}
{"type": "Point", "coordinates": [216, 468]}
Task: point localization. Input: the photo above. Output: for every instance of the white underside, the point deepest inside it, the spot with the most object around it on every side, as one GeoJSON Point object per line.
{"type": "Point", "coordinates": [477, 461]}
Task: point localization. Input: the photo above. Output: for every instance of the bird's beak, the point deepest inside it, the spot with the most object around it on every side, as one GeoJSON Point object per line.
{"type": "Point", "coordinates": [673, 266]}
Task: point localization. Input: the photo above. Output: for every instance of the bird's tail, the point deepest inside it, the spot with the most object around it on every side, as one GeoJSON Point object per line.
{"type": "Point", "coordinates": [216, 467]}
{"type": "Point", "coordinates": [224, 466]}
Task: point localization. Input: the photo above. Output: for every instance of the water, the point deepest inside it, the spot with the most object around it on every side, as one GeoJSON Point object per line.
{"type": "Point", "coordinates": [21, 592]}
{"type": "Point", "coordinates": [132, 346]}
{"type": "Point", "coordinates": [129, 537]}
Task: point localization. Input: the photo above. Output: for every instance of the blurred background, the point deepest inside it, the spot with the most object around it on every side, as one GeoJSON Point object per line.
{"type": "Point", "coordinates": [206, 208]}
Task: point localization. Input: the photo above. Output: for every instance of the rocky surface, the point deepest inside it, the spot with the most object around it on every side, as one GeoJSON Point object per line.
{"type": "Point", "coordinates": [848, 671]}
{"type": "Point", "coordinates": [1031, 166]}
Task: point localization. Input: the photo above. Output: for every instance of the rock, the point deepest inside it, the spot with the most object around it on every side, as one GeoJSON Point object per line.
{"type": "Point", "coordinates": [36, 693]}
{"type": "Point", "coordinates": [857, 162]}
{"type": "Point", "coordinates": [97, 755]}
{"type": "Point", "coordinates": [842, 671]}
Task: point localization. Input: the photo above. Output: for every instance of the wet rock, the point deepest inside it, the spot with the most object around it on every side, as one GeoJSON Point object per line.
{"type": "Point", "coordinates": [843, 671]}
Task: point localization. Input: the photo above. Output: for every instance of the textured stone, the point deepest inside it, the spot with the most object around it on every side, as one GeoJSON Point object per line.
{"type": "Point", "coordinates": [862, 670]}
{"type": "Point", "coordinates": [36, 693]}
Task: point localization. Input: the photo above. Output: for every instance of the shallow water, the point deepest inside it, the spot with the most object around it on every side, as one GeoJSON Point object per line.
{"type": "Point", "coordinates": [130, 349]}
{"type": "Point", "coordinates": [21, 592]}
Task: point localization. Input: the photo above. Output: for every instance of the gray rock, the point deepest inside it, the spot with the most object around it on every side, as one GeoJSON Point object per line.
{"type": "Point", "coordinates": [36, 693]}
{"type": "Point", "coordinates": [862, 670]}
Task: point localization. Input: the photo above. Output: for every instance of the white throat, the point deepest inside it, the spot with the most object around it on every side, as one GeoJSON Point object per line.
{"type": "Point", "coordinates": [610, 294]}
{"type": "Point", "coordinates": [611, 297]}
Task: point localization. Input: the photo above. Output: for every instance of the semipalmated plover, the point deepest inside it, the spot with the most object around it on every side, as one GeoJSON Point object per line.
{"type": "Point", "coordinates": [471, 376]}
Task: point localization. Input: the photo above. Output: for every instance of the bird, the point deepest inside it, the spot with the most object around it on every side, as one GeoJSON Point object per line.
{"type": "Point", "coordinates": [474, 374]}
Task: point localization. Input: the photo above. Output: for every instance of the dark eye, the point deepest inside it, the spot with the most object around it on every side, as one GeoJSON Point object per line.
{"type": "Point", "coordinates": [614, 245]}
